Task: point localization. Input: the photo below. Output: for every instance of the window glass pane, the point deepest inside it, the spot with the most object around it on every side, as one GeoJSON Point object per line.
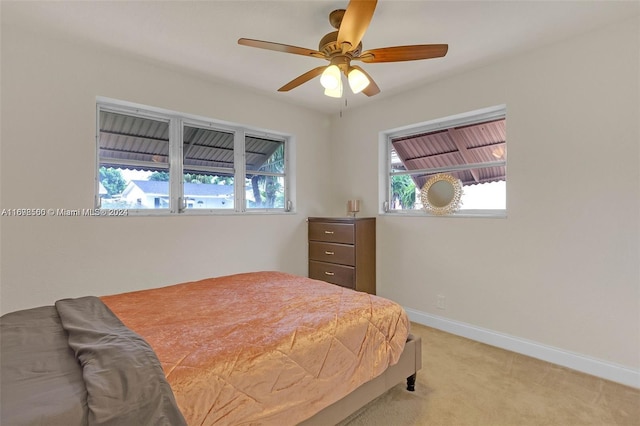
{"type": "Point", "coordinates": [208, 168]}
{"type": "Point", "coordinates": [133, 162]}
{"type": "Point", "coordinates": [213, 191]}
{"type": "Point", "coordinates": [264, 155]}
{"type": "Point", "coordinates": [489, 195]}
{"type": "Point", "coordinates": [264, 192]}
{"type": "Point", "coordinates": [396, 163]}
{"type": "Point", "coordinates": [265, 189]}
{"type": "Point", "coordinates": [404, 193]}
{"type": "Point", "coordinates": [482, 190]}
{"type": "Point", "coordinates": [485, 196]}
{"type": "Point", "coordinates": [207, 150]}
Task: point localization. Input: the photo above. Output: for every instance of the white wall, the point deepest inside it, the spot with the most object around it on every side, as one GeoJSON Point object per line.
{"type": "Point", "coordinates": [49, 90]}
{"type": "Point", "coordinates": [563, 268]}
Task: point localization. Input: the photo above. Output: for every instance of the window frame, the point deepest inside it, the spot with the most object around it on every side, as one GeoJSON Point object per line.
{"type": "Point", "coordinates": [177, 122]}
{"type": "Point", "coordinates": [385, 162]}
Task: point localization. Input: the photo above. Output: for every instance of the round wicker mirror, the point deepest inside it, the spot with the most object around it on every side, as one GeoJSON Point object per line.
{"type": "Point", "coordinates": [441, 194]}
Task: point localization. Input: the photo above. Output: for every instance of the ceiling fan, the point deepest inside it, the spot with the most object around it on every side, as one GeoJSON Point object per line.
{"type": "Point", "coordinates": [343, 46]}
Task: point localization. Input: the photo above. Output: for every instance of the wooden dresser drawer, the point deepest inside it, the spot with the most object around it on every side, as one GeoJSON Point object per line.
{"type": "Point", "coordinates": [344, 254]}
{"type": "Point", "coordinates": [335, 274]}
{"type": "Point", "coordinates": [332, 232]}
{"type": "Point", "coordinates": [342, 251]}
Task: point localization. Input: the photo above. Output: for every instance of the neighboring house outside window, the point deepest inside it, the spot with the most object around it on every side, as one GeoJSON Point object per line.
{"type": "Point", "coordinates": [152, 161]}
{"type": "Point", "coordinates": [471, 147]}
{"type": "Point", "coordinates": [150, 195]}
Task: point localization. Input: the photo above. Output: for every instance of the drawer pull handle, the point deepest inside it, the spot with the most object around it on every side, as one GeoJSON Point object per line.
{"type": "Point", "coordinates": [330, 253]}
{"type": "Point", "coordinates": [329, 273]}
{"type": "Point", "coordinates": [328, 232]}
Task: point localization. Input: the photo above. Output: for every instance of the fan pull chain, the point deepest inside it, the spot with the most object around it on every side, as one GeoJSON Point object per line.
{"type": "Point", "coordinates": [345, 105]}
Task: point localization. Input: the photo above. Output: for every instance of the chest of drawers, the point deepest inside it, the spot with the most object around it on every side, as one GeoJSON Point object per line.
{"type": "Point", "coordinates": [342, 251]}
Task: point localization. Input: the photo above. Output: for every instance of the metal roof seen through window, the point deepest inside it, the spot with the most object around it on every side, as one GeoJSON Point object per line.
{"type": "Point", "coordinates": [453, 147]}
{"type": "Point", "coordinates": [142, 143]}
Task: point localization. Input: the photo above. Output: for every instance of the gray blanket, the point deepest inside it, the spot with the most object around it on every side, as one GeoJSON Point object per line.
{"type": "Point", "coordinates": [75, 363]}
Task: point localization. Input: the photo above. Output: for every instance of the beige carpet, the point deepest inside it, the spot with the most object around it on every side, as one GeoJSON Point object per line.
{"type": "Point", "coordinates": [463, 382]}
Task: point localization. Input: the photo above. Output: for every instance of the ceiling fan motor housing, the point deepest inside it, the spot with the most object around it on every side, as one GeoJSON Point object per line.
{"type": "Point", "coordinates": [329, 46]}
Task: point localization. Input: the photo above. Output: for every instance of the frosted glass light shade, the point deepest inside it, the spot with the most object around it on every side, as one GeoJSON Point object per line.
{"type": "Point", "coordinates": [358, 81]}
{"type": "Point", "coordinates": [335, 93]}
{"type": "Point", "coordinates": [330, 78]}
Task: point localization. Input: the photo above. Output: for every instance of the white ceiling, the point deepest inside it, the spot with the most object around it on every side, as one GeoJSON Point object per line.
{"type": "Point", "coordinates": [201, 36]}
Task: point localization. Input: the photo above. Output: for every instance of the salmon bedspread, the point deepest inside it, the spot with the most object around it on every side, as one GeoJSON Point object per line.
{"type": "Point", "coordinates": [263, 347]}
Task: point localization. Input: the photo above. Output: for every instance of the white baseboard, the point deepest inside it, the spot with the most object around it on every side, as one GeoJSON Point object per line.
{"type": "Point", "coordinates": [595, 367]}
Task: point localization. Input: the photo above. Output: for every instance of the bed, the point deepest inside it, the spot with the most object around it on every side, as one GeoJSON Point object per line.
{"type": "Point", "coordinates": [253, 348]}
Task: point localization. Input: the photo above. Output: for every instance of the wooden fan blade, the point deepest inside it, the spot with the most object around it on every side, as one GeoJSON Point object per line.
{"type": "Point", "coordinates": [302, 79]}
{"type": "Point", "coordinates": [404, 53]}
{"type": "Point", "coordinates": [355, 23]}
{"type": "Point", "coordinates": [372, 88]}
{"type": "Point", "coordinates": [279, 47]}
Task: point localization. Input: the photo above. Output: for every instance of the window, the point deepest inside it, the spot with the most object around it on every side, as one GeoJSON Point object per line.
{"type": "Point", "coordinates": [265, 171]}
{"type": "Point", "coordinates": [472, 147]}
{"type": "Point", "coordinates": [152, 161]}
{"type": "Point", "coordinates": [208, 168]}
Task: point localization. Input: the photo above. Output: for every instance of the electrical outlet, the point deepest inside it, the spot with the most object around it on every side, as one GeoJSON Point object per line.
{"type": "Point", "coordinates": [441, 302]}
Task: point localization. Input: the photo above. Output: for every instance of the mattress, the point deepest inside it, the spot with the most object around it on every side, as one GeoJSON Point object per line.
{"type": "Point", "coordinates": [263, 347]}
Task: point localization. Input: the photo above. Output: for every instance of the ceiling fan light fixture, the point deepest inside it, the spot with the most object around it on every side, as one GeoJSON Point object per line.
{"type": "Point", "coordinates": [330, 78]}
{"type": "Point", "coordinates": [344, 45]}
{"type": "Point", "coordinates": [335, 93]}
{"type": "Point", "coordinates": [358, 81]}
